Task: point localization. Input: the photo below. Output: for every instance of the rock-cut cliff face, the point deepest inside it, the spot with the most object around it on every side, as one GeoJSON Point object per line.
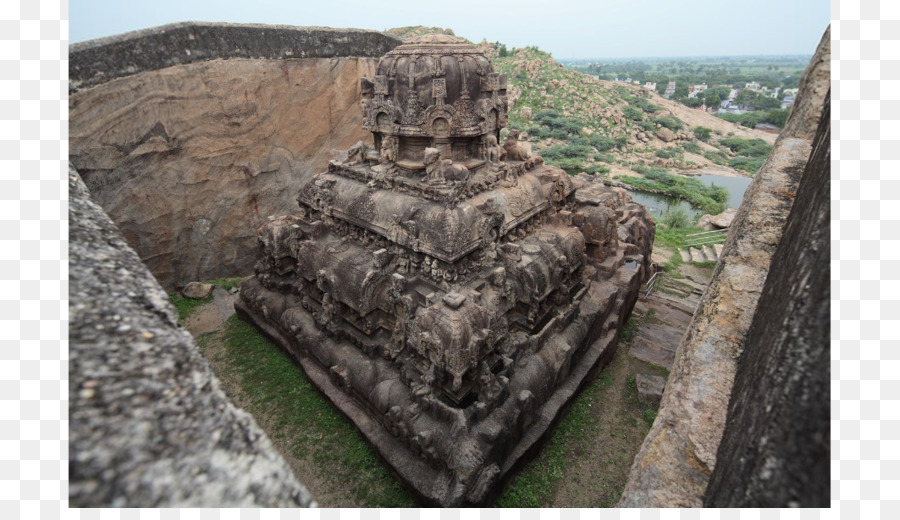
{"type": "Point", "coordinates": [189, 156]}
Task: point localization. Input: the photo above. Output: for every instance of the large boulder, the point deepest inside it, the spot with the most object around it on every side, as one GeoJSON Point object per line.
{"type": "Point", "coordinates": [665, 135]}
{"type": "Point", "coordinates": [721, 221]}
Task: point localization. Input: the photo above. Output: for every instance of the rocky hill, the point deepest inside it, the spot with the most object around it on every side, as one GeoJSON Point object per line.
{"type": "Point", "coordinates": [585, 124]}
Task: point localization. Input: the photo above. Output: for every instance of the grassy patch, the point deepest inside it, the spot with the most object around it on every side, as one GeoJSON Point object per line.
{"type": "Point", "coordinates": [747, 164]}
{"type": "Point", "coordinates": [671, 122]}
{"type": "Point", "coordinates": [747, 147]}
{"type": "Point", "coordinates": [691, 146]}
{"type": "Point", "coordinates": [708, 198]}
{"type": "Point", "coordinates": [278, 390]}
{"type": "Point", "coordinates": [186, 306]}
{"type": "Point", "coordinates": [673, 237]}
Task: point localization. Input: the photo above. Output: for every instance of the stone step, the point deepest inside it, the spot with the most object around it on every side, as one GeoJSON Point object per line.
{"type": "Point", "coordinates": [710, 253]}
{"type": "Point", "coordinates": [685, 255]}
{"type": "Point", "coordinates": [650, 387]}
{"type": "Point", "coordinates": [697, 255]}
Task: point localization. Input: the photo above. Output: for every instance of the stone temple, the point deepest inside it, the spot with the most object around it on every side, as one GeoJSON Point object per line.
{"type": "Point", "coordinates": [448, 294]}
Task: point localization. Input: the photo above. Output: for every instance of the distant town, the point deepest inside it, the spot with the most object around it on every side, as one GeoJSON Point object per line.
{"type": "Point", "coordinates": [755, 91]}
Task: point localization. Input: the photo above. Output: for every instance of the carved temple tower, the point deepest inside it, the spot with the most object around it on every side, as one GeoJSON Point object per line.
{"type": "Point", "coordinates": [447, 294]}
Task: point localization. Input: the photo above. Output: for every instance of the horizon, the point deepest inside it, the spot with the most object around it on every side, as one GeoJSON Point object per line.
{"type": "Point", "coordinates": [571, 30]}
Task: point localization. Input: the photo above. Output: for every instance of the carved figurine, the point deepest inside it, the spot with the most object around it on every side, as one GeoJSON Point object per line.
{"type": "Point", "coordinates": [514, 150]}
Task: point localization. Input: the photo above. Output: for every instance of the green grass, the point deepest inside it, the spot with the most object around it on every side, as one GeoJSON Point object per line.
{"type": "Point", "coordinates": [535, 484]}
{"type": "Point", "coordinates": [747, 147]}
{"type": "Point", "coordinates": [673, 237]}
{"type": "Point", "coordinates": [187, 306]}
{"type": "Point", "coordinates": [676, 217]}
{"type": "Point", "coordinates": [748, 164]}
{"type": "Point", "coordinates": [710, 199]}
{"type": "Point", "coordinates": [278, 390]}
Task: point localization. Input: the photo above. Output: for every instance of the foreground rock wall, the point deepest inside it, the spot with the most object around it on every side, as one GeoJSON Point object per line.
{"type": "Point", "coordinates": [149, 425]}
{"type": "Point", "coordinates": [189, 157]}
{"type": "Point", "coordinates": [98, 61]}
{"type": "Point", "coordinates": [674, 464]}
{"type": "Point", "coordinates": [775, 449]}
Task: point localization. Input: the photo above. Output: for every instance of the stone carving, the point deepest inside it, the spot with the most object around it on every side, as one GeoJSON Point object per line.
{"type": "Point", "coordinates": [514, 151]}
{"type": "Point", "coordinates": [491, 150]}
{"type": "Point", "coordinates": [447, 302]}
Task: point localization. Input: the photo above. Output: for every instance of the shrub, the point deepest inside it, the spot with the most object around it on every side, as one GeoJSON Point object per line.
{"type": "Point", "coordinates": [666, 153]}
{"type": "Point", "coordinates": [702, 133]}
{"type": "Point", "coordinates": [777, 117]}
{"type": "Point", "coordinates": [579, 140]}
{"type": "Point", "coordinates": [571, 165]}
{"type": "Point", "coordinates": [645, 105]}
{"type": "Point", "coordinates": [747, 147]}
{"type": "Point", "coordinates": [717, 157]}
{"type": "Point", "coordinates": [602, 143]}
{"type": "Point", "coordinates": [675, 217]}
{"type": "Point", "coordinates": [632, 113]}
{"type": "Point", "coordinates": [671, 122]}
{"type": "Point", "coordinates": [537, 131]}
{"type": "Point", "coordinates": [690, 146]}
{"type": "Point", "coordinates": [747, 164]}
{"type": "Point", "coordinates": [598, 168]}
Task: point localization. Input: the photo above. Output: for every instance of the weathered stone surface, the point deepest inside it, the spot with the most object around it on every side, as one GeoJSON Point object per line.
{"type": "Point", "coordinates": [775, 450]}
{"type": "Point", "coordinates": [149, 425]}
{"type": "Point", "coordinates": [99, 61]}
{"type": "Point", "coordinates": [673, 467]}
{"type": "Point", "coordinates": [659, 351]}
{"type": "Point", "coordinates": [665, 135]}
{"type": "Point", "coordinates": [449, 300]}
{"type": "Point", "coordinates": [197, 290]}
{"type": "Point", "coordinates": [720, 221]}
{"type": "Point", "coordinates": [650, 388]}
{"type": "Point", "coordinates": [189, 160]}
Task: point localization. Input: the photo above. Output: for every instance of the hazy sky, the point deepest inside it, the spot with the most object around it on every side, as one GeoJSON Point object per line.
{"type": "Point", "coordinates": [566, 28]}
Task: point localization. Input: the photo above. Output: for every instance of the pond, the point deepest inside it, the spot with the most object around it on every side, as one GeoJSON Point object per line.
{"type": "Point", "coordinates": [657, 204]}
{"type": "Point", "coordinates": [736, 187]}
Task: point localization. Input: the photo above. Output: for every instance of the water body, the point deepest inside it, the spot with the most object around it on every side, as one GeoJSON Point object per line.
{"type": "Point", "coordinates": [657, 204]}
{"type": "Point", "coordinates": [736, 187]}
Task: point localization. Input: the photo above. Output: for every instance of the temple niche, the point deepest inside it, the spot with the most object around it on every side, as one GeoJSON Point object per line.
{"type": "Point", "coordinates": [448, 294]}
